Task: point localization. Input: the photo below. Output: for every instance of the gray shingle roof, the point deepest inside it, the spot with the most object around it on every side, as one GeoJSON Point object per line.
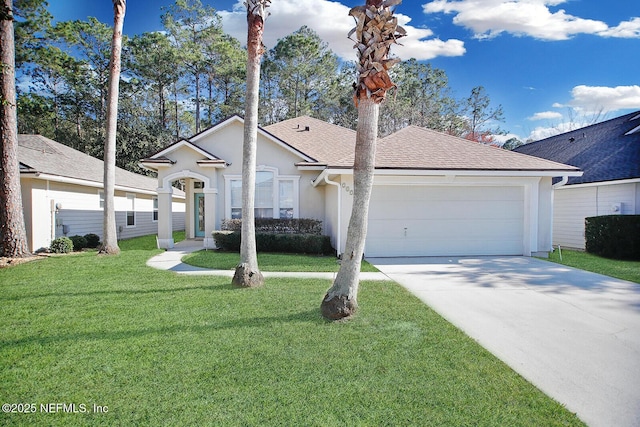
{"type": "Point", "coordinates": [410, 148]}
{"type": "Point", "coordinates": [327, 143]}
{"type": "Point", "coordinates": [605, 151]}
{"type": "Point", "coordinates": [420, 148]}
{"type": "Point", "coordinates": [37, 153]}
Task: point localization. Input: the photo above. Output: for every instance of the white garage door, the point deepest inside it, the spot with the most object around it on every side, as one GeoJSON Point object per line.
{"type": "Point", "coordinates": [445, 220]}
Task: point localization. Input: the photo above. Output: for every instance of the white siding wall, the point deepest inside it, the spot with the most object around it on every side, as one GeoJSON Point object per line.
{"type": "Point", "coordinates": [81, 213]}
{"type": "Point", "coordinates": [572, 204]}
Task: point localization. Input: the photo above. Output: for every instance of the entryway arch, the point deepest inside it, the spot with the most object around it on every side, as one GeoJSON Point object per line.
{"type": "Point", "coordinates": [196, 212]}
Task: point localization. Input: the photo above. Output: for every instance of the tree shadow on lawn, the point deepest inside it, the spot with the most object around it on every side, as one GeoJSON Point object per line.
{"type": "Point", "coordinates": [308, 316]}
{"type": "Point", "coordinates": [65, 294]}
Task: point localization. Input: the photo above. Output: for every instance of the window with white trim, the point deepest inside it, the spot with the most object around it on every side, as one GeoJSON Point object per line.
{"type": "Point", "coordinates": [131, 210]}
{"type": "Point", "coordinates": [276, 196]}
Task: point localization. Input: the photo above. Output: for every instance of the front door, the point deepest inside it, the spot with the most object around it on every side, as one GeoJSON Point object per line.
{"type": "Point", "coordinates": [199, 215]}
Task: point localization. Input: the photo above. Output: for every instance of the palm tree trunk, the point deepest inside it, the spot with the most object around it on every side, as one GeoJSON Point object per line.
{"type": "Point", "coordinates": [376, 29]}
{"type": "Point", "coordinates": [341, 299]}
{"type": "Point", "coordinates": [110, 237]}
{"type": "Point", "coordinates": [247, 273]}
{"type": "Point", "coordinates": [13, 236]}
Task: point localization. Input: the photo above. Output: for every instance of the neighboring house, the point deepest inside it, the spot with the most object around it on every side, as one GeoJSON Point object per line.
{"type": "Point", "coordinates": [609, 155]}
{"type": "Point", "coordinates": [62, 195]}
{"type": "Point", "coordinates": [433, 194]}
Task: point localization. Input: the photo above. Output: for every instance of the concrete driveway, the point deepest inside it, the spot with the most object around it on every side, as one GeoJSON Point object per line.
{"type": "Point", "coordinates": [574, 334]}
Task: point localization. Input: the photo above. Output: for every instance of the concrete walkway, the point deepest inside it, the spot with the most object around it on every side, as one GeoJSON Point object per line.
{"type": "Point", "coordinates": [172, 260]}
{"type": "Point", "coordinates": [574, 334]}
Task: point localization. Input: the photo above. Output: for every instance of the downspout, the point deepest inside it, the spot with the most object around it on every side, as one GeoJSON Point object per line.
{"type": "Point", "coordinates": [561, 183]}
{"type": "Point", "coordinates": [555, 186]}
{"type": "Point", "coordinates": [339, 237]}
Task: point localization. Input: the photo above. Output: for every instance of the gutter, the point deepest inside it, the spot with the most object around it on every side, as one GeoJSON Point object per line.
{"type": "Point", "coordinates": [94, 184]}
{"type": "Point", "coordinates": [339, 236]}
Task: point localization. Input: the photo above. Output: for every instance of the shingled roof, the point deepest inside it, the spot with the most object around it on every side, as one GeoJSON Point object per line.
{"type": "Point", "coordinates": [38, 154]}
{"type": "Point", "coordinates": [410, 148]}
{"type": "Point", "coordinates": [329, 144]}
{"type": "Point", "coordinates": [606, 151]}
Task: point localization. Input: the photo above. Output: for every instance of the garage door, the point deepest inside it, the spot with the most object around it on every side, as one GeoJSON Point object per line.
{"type": "Point", "coordinates": [445, 220]}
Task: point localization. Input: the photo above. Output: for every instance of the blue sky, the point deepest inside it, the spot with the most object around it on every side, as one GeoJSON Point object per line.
{"type": "Point", "coordinates": [551, 64]}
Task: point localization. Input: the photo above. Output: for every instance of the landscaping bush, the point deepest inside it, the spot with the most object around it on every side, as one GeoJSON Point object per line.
{"type": "Point", "coordinates": [613, 236]}
{"type": "Point", "coordinates": [61, 245]}
{"type": "Point", "coordinates": [278, 225]}
{"type": "Point", "coordinates": [93, 240]}
{"type": "Point", "coordinates": [272, 242]}
{"type": "Point", "coordinates": [79, 242]}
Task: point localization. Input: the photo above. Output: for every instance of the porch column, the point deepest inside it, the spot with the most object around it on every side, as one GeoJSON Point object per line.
{"type": "Point", "coordinates": [210, 195]}
{"type": "Point", "coordinates": [165, 218]}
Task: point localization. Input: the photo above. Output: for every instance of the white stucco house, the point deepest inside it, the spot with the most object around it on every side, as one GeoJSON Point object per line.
{"type": "Point", "coordinates": [62, 195]}
{"type": "Point", "coordinates": [434, 194]}
{"type": "Point", "coordinates": [609, 154]}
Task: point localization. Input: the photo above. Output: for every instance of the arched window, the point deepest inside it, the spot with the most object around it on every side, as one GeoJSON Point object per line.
{"type": "Point", "coordinates": [276, 195]}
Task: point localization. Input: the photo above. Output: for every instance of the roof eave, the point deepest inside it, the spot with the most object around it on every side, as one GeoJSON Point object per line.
{"type": "Point", "coordinates": [462, 172]}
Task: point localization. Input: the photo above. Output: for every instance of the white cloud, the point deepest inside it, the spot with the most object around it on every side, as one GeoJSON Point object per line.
{"type": "Point", "coordinates": [588, 105]}
{"type": "Point", "coordinates": [598, 98]}
{"type": "Point", "coordinates": [331, 21]}
{"type": "Point", "coordinates": [501, 139]}
{"type": "Point", "coordinates": [546, 115]}
{"type": "Point", "coordinates": [542, 132]}
{"type": "Point", "coordinates": [490, 18]}
{"type": "Point", "coordinates": [628, 30]}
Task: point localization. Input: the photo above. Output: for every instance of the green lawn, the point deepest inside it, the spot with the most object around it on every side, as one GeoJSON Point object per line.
{"type": "Point", "coordinates": [220, 260]}
{"type": "Point", "coordinates": [626, 270]}
{"type": "Point", "coordinates": [157, 348]}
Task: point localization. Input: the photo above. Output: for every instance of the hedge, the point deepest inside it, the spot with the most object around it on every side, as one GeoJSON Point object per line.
{"type": "Point", "coordinates": [613, 236]}
{"type": "Point", "coordinates": [274, 242]}
{"type": "Point", "coordinates": [278, 225]}
{"type": "Point", "coordinates": [93, 240]}
{"type": "Point", "coordinates": [79, 242]}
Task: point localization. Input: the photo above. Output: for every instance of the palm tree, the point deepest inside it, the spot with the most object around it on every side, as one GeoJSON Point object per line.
{"type": "Point", "coordinates": [376, 30]}
{"type": "Point", "coordinates": [13, 236]}
{"type": "Point", "coordinates": [110, 238]}
{"type": "Point", "coordinates": [247, 273]}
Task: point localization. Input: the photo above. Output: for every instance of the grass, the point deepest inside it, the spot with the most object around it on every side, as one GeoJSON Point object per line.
{"type": "Point", "coordinates": [625, 270]}
{"type": "Point", "coordinates": [220, 260]}
{"type": "Point", "coordinates": [157, 348]}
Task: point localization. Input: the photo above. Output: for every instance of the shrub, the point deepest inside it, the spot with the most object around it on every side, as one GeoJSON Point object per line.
{"type": "Point", "coordinates": [278, 225]}
{"type": "Point", "coordinates": [272, 242]}
{"type": "Point", "coordinates": [613, 236]}
{"type": "Point", "coordinates": [93, 240]}
{"type": "Point", "coordinates": [79, 242]}
{"type": "Point", "coordinates": [61, 245]}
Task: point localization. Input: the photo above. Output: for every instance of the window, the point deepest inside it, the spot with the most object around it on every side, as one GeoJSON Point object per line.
{"type": "Point", "coordinates": [155, 209]}
{"type": "Point", "coordinates": [101, 197]}
{"type": "Point", "coordinates": [131, 212]}
{"type": "Point", "coordinates": [275, 197]}
{"type": "Point", "coordinates": [264, 195]}
{"type": "Point", "coordinates": [236, 199]}
{"type": "Point", "coordinates": [286, 199]}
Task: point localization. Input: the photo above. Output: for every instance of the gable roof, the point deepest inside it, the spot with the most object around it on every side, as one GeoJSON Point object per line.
{"type": "Point", "coordinates": [606, 151]}
{"type": "Point", "coordinates": [40, 155]}
{"type": "Point", "coordinates": [160, 156]}
{"type": "Point", "coordinates": [327, 143]}
{"type": "Point", "coordinates": [262, 131]}
{"type": "Point", "coordinates": [410, 148]}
